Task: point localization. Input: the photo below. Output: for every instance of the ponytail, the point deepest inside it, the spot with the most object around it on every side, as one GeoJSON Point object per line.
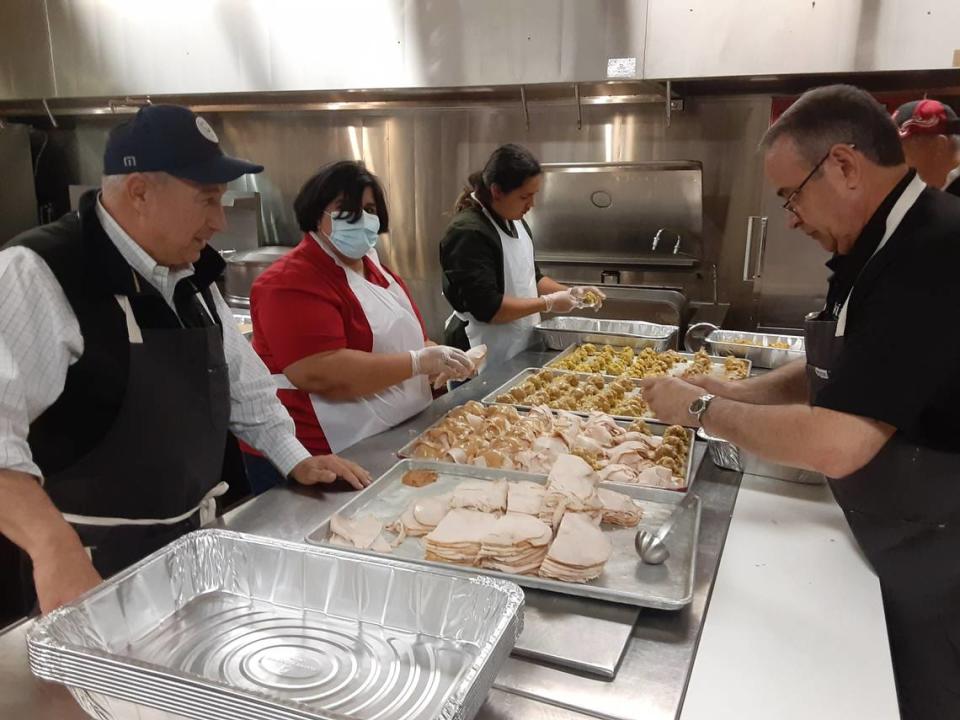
{"type": "Point", "coordinates": [509, 167]}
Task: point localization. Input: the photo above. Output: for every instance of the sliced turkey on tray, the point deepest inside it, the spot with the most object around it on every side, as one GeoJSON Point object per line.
{"type": "Point", "coordinates": [361, 532]}
{"type": "Point", "coordinates": [525, 497]}
{"type": "Point", "coordinates": [579, 551]}
{"type": "Point", "coordinates": [458, 537]}
{"type": "Point", "coordinates": [422, 515]}
{"type": "Point", "coordinates": [516, 544]}
{"type": "Point", "coordinates": [619, 509]}
{"type": "Point", "coordinates": [482, 495]}
{"type": "Point", "coordinates": [571, 487]}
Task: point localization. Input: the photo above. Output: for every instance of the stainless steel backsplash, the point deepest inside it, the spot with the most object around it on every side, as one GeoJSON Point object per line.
{"type": "Point", "coordinates": [423, 156]}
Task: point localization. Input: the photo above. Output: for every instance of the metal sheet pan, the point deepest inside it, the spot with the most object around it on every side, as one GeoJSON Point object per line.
{"type": "Point", "coordinates": [656, 428]}
{"type": "Point", "coordinates": [520, 377]}
{"type": "Point", "coordinates": [716, 359]}
{"type": "Point", "coordinates": [758, 351]}
{"type": "Point", "coordinates": [560, 332]}
{"type": "Point", "coordinates": [221, 624]}
{"type": "Point", "coordinates": [625, 579]}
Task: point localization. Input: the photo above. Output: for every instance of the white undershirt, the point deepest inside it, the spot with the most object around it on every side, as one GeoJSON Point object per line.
{"type": "Point", "coordinates": [951, 176]}
{"type": "Point", "coordinates": [40, 339]}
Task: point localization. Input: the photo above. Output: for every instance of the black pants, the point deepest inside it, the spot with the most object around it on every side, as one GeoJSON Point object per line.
{"type": "Point", "coordinates": [261, 473]}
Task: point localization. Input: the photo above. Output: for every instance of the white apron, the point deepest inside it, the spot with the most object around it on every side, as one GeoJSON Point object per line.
{"type": "Point", "coordinates": [906, 201]}
{"type": "Point", "coordinates": [395, 329]}
{"type": "Point", "coordinates": [505, 340]}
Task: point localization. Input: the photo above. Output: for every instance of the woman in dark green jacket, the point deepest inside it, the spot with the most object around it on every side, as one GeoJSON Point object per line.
{"type": "Point", "coordinates": [489, 274]}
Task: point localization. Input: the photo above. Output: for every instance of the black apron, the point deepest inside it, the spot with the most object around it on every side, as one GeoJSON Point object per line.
{"type": "Point", "coordinates": [904, 510]}
{"type": "Point", "coordinates": [144, 485]}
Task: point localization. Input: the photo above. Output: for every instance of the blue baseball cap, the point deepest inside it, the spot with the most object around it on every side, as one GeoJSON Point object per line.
{"type": "Point", "coordinates": [174, 140]}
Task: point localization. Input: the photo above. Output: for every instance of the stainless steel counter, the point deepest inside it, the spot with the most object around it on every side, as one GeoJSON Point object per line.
{"type": "Point", "coordinates": [652, 677]}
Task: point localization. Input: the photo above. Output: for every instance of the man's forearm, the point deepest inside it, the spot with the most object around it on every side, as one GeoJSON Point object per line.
{"type": "Point", "coordinates": [833, 443]}
{"type": "Point", "coordinates": [787, 385]}
{"type": "Point", "coordinates": [29, 518]}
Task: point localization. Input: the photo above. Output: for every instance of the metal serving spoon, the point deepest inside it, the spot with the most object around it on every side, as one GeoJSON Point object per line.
{"type": "Point", "coordinates": [650, 546]}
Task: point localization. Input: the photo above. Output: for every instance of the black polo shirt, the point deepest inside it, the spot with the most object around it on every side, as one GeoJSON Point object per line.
{"type": "Point", "coordinates": [900, 362]}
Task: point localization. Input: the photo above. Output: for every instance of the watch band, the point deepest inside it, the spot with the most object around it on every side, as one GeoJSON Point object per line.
{"type": "Point", "coordinates": [699, 406]}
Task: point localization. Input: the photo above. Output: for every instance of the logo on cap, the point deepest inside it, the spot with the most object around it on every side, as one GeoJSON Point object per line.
{"type": "Point", "coordinates": [204, 127]}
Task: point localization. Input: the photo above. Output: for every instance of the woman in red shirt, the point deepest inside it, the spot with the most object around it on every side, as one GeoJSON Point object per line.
{"type": "Point", "coordinates": [338, 329]}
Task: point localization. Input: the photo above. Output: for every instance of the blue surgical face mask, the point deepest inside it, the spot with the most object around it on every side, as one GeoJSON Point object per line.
{"type": "Point", "coordinates": [354, 239]}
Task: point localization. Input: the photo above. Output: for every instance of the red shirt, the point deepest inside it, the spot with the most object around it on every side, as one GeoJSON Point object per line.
{"type": "Point", "coordinates": [302, 305]}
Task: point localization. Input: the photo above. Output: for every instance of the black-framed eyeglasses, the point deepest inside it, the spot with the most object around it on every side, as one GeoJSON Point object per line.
{"type": "Point", "coordinates": [788, 203]}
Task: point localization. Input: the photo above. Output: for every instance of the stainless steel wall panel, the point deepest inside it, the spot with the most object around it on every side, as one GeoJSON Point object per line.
{"type": "Point", "coordinates": [706, 38]}
{"type": "Point", "coordinates": [118, 47]}
{"type": "Point", "coordinates": [26, 70]}
{"type": "Point", "coordinates": [18, 200]}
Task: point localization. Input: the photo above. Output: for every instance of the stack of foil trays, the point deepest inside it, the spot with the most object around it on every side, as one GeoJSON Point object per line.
{"type": "Point", "coordinates": [225, 625]}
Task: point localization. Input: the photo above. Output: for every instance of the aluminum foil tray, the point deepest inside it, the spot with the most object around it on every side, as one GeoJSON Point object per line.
{"type": "Point", "coordinates": [756, 347]}
{"type": "Point", "coordinates": [656, 428]}
{"type": "Point", "coordinates": [560, 332]}
{"type": "Point", "coordinates": [717, 361]}
{"type": "Point", "coordinates": [225, 625]}
{"type": "Point", "coordinates": [625, 579]}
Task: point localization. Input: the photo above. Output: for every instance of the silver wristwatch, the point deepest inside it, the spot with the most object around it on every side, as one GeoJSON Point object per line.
{"type": "Point", "coordinates": [699, 406]}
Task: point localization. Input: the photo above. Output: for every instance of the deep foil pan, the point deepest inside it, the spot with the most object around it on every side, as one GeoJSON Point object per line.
{"type": "Point", "coordinates": [756, 347]}
{"type": "Point", "coordinates": [221, 624]}
{"type": "Point", "coordinates": [561, 332]}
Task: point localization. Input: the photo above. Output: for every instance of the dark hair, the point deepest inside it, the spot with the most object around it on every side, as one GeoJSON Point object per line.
{"type": "Point", "coordinates": [346, 178]}
{"type": "Point", "coordinates": [838, 114]}
{"type": "Point", "coordinates": [509, 167]}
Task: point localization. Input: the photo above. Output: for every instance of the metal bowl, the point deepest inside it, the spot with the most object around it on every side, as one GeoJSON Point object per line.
{"type": "Point", "coordinates": [244, 267]}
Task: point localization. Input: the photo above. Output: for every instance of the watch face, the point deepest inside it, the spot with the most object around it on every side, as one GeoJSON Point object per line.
{"type": "Point", "coordinates": [696, 406]}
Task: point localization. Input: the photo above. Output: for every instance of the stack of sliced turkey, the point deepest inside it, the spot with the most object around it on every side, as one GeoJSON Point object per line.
{"type": "Point", "coordinates": [517, 543]}
{"type": "Point", "coordinates": [579, 551]}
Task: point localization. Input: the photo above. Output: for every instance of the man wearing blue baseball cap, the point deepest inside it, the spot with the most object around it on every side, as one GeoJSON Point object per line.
{"type": "Point", "coordinates": [121, 368]}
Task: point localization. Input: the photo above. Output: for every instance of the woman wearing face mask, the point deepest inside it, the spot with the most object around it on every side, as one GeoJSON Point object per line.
{"type": "Point", "coordinates": [489, 274]}
{"type": "Point", "coordinates": [338, 329]}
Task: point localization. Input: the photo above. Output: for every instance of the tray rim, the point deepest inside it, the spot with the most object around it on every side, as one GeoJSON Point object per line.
{"type": "Point", "coordinates": [558, 586]}
{"type": "Point", "coordinates": [671, 330]}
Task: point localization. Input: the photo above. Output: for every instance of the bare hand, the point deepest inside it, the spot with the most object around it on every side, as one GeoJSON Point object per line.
{"type": "Point", "coordinates": [62, 574]}
{"type": "Point", "coordinates": [714, 386]}
{"type": "Point", "coordinates": [669, 398]}
{"type": "Point", "coordinates": [325, 469]}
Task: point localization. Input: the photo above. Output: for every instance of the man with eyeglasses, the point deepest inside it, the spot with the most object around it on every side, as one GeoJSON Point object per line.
{"type": "Point", "coordinates": [876, 406]}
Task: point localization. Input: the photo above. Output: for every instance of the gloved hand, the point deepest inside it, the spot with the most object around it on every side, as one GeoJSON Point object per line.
{"type": "Point", "coordinates": [588, 296]}
{"type": "Point", "coordinates": [476, 354]}
{"type": "Point", "coordinates": [561, 301]}
{"type": "Point", "coordinates": [437, 359]}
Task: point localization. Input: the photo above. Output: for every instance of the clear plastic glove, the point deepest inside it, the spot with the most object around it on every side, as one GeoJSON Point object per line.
{"type": "Point", "coordinates": [437, 359]}
{"type": "Point", "coordinates": [561, 301]}
{"type": "Point", "coordinates": [476, 354]}
{"type": "Point", "coordinates": [588, 296]}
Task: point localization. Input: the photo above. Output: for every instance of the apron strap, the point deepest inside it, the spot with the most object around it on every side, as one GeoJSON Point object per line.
{"type": "Point", "coordinates": [207, 508]}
